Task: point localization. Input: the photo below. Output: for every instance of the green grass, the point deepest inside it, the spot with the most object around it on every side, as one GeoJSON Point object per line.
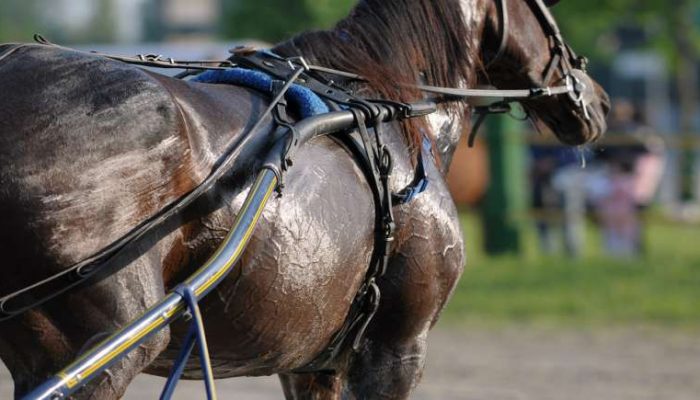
{"type": "Point", "coordinates": [660, 289]}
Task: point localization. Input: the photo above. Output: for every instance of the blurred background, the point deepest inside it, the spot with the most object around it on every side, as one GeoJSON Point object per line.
{"type": "Point", "coordinates": [583, 273]}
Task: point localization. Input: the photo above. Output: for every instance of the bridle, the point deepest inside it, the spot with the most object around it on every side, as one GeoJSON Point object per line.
{"type": "Point", "coordinates": [504, 24]}
{"type": "Point", "coordinates": [563, 56]}
{"type": "Point", "coordinates": [571, 66]}
{"type": "Point", "coordinates": [574, 83]}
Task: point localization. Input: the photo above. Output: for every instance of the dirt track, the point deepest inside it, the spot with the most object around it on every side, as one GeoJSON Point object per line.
{"type": "Point", "coordinates": [518, 364]}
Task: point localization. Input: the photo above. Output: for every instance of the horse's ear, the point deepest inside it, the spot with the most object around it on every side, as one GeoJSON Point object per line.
{"type": "Point", "coordinates": [551, 3]}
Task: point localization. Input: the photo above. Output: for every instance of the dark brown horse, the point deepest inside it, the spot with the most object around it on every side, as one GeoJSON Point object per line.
{"type": "Point", "coordinates": [91, 147]}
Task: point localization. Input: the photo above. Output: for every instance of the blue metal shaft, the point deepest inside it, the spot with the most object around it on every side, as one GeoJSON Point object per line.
{"type": "Point", "coordinates": [195, 335]}
{"type": "Point", "coordinates": [198, 325]}
{"type": "Point", "coordinates": [180, 364]}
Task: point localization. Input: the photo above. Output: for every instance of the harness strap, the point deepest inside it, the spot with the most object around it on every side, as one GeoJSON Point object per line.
{"type": "Point", "coordinates": [503, 21]}
{"type": "Point", "coordinates": [551, 67]}
{"type": "Point", "coordinates": [366, 303]}
{"type": "Point", "coordinates": [546, 19]}
{"type": "Point", "coordinates": [420, 182]}
{"type": "Point", "coordinates": [482, 113]}
{"type": "Point", "coordinates": [13, 48]}
{"type": "Point", "coordinates": [516, 94]}
{"type": "Point", "coordinates": [284, 124]}
{"type": "Point", "coordinates": [149, 60]}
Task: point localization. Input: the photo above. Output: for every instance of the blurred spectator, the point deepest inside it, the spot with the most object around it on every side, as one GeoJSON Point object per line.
{"type": "Point", "coordinates": [545, 201]}
{"type": "Point", "coordinates": [620, 183]}
{"type": "Point", "coordinates": [570, 182]}
{"type": "Point", "coordinates": [649, 169]}
{"type": "Point", "coordinates": [616, 207]}
{"type": "Point", "coordinates": [624, 117]}
{"type": "Point", "coordinates": [557, 212]}
{"type": "Point", "coordinates": [632, 173]}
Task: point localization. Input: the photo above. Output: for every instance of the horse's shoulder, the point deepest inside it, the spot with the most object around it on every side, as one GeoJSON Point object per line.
{"type": "Point", "coordinates": [216, 115]}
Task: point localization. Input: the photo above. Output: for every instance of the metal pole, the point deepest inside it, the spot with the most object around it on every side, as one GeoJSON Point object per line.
{"type": "Point", "coordinates": [505, 199]}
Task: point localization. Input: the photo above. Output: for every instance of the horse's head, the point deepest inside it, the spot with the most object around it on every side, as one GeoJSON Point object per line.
{"type": "Point", "coordinates": [522, 48]}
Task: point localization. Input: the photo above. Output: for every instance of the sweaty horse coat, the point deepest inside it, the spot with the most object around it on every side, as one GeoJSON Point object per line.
{"type": "Point", "coordinates": [136, 165]}
{"type": "Point", "coordinates": [89, 148]}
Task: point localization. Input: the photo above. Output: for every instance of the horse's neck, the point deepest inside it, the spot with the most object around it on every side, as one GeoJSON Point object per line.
{"type": "Point", "coordinates": [446, 127]}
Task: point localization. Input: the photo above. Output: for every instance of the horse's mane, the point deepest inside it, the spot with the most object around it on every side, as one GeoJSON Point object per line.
{"type": "Point", "coordinates": [395, 41]}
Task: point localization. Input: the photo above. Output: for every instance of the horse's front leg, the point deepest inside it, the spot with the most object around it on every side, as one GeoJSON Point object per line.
{"type": "Point", "coordinates": [313, 386]}
{"type": "Point", "coordinates": [44, 340]}
{"type": "Point", "coordinates": [422, 274]}
{"type": "Point", "coordinates": [420, 279]}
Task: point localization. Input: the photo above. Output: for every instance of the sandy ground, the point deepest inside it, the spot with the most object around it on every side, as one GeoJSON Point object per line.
{"type": "Point", "coordinates": [516, 364]}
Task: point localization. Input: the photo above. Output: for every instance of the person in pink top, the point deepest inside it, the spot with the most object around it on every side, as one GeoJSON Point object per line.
{"type": "Point", "coordinates": [618, 212]}
{"type": "Point", "coordinates": [630, 182]}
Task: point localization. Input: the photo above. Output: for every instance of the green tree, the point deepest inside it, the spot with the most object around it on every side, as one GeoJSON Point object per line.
{"type": "Point", "coordinates": [18, 20]}
{"type": "Point", "coordinates": [327, 12]}
{"type": "Point", "coordinates": [668, 23]}
{"type": "Point", "coordinates": [102, 27]}
{"type": "Point", "coordinates": [274, 20]}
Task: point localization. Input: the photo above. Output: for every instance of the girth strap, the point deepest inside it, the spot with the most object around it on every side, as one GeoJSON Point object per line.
{"type": "Point", "coordinates": [503, 18]}
{"type": "Point", "coordinates": [376, 164]}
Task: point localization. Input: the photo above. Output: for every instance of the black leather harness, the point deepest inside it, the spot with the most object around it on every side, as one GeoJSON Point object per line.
{"type": "Point", "coordinates": [366, 145]}
{"type": "Point", "coordinates": [375, 160]}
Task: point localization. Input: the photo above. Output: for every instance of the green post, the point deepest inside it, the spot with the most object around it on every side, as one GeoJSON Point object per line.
{"type": "Point", "coordinates": [505, 202]}
{"type": "Point", "coordinates": [687, 169]}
